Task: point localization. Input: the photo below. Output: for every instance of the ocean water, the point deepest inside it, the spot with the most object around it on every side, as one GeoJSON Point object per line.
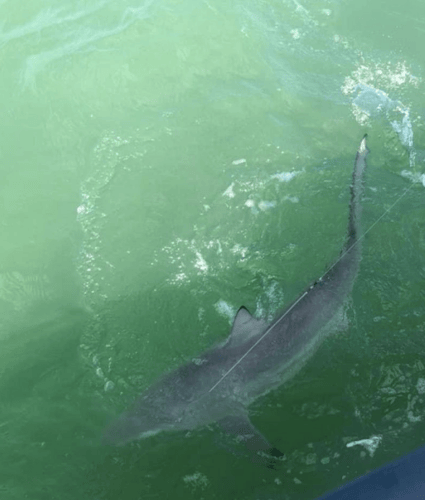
{"type": "Point", "coordinates": [163, 163]}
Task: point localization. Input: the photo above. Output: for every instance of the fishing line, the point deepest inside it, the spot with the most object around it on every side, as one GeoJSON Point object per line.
{"type": "Point", "coordinates": [306, 292]}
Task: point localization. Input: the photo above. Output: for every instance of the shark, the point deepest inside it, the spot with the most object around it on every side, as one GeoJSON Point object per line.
{"type": "Point", "coordinates": [221, 383]}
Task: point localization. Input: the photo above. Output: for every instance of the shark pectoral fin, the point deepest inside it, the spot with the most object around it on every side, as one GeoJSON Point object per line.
{"type": "Point", "coordinates": [261, 451]}
{"type": "Point", "coordinates": [244, 327]}
{"type": "Point", "coordinates": [241, 427]}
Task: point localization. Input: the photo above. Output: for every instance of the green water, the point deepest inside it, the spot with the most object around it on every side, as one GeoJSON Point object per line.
{"type": "Point", "coordinates": [163, 163]}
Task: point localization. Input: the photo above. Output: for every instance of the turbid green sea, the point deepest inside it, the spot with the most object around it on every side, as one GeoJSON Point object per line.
{"type": "Point", "coordinates": [164, 162]}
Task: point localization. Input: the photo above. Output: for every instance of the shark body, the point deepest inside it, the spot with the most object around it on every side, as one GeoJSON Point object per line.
{"type": "Point", "coordinates": [222, 382]}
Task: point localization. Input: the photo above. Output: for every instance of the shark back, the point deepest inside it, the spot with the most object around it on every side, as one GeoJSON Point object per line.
{"type": "Point", "coordinates": [281, 349]}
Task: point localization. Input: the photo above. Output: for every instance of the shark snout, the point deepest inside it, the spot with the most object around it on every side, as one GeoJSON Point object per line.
{"type": "Point", "coordinates": [125, 429]}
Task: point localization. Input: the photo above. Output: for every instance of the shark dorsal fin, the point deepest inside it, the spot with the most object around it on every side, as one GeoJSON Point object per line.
{"type": "Point", "coordinates": [244, 327]}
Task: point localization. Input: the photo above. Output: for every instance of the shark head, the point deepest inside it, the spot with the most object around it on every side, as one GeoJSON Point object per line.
{"type": "Point", "coordinates": [140, 423]}
{"type": "Point", "coordinates": [162, 407]}
{"type": "Point", "coordinates": [130, 426]}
